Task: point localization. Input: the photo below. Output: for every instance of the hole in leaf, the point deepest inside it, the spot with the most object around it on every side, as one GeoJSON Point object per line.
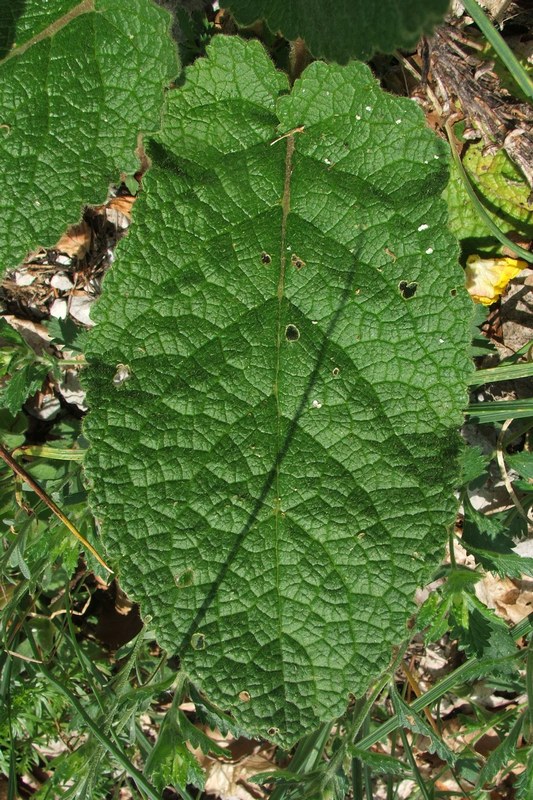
{"type": "Point", "coordinates": [297, 262]}
{"type": "Point", "coordinates": [407, 290]}
{"type": "Point", "coordinates": [335, 372]}
{"type": "Point", "coordinates": [292, 334]}
{"type": "Point", "coordinates": [453, 292]}
{"type": "Point", "coordinates": [198, 641]}
{"type": "Point", "coordinates": [265, 258]}
{"type": "Point", "coordinates": [273, 731]}
{"type": "Point", "coordinates": [185, 579]}
{"type": "Point", "coordinates": [244, 697]}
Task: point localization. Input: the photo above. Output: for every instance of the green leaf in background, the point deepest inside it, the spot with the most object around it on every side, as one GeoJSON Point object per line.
{"type": "Point", "coordinates": [77, 84]}
{"type": "Point", "coordinates": [503, 191]}
{"type": "Point", "coordinates": [170, 762]}
{"type": "Point", "coordinates": [417, 723]}
{"type": "Point", "coordinates": [22, 384]}
{"type": "Point", "coordinates": [379, 762]}
{"type": "Point", "coordinates": [275, 471]}
{"type": "Point", "coordinates": [504, 755]}
{"type": "Point", "coordinates": [524, 781]}
{"type": "Point", "coordinates": [473, 464]}
{"type": "Point", "coordinates": [521, 463]}
{"type": "Point", "coordinates": [342, 29]}
{"type": "Point", "coordinates": [66, 332]}
{"type": "Point", "coordinates": [481, 633]}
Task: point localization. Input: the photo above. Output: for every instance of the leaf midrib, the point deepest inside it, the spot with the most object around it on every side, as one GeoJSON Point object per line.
{"type": "Point", "coordinates": [85, 7]}
{"type": "Point", "coordinates": [286, 204]}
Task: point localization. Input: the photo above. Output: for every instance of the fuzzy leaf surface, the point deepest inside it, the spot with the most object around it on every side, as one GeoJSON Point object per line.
{"type": "Point", "coordinates": [77, 84]}
{"type": "Point", "coordinates": [275, 475]}
{"type": "Point", "coordinates": [342, 29]}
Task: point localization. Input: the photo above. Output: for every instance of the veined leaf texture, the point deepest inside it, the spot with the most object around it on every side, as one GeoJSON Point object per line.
{"type": "Point", "coordinates": [275, 477]}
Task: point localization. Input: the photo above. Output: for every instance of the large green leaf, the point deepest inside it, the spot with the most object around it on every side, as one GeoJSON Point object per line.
{"type": "Point", "coordinates": [274, 463]}
{"type": "Point", "coordinates": [342, 29]}
{"type": "Point", "coordinates": [77, 84]}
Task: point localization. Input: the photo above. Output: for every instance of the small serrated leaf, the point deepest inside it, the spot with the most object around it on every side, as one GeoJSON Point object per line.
{"type": "Point", "coordinates": [473, 464]}
{"type": "Point", "coordinates": [22, 384]}
{"type": "Point", "coordinates": [503, 755]}
{"type": "Point", "coordinates": [416, 723]}
{"type": "Point", "coordinates": [67, 333]}
{"type": "Point", "coordinates": [170, 762]}
{"type": "Point", "coordinates": [432, 618]}
{"type": "Point", "coordinates": [214, 717]}
{"type": "Point", "coordinates": [490, 539]}
{"type": "Point", "coordinates": [482, 634]}
{"type": "Point", "coordinates": [380, 763]}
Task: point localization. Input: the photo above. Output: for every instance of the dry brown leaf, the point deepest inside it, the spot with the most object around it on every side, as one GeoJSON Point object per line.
{"type": "Point", "coordinates": [76, 241]}
{"type": "Point", "coordinates": [123, 204]}
{"type": "Point", "coordinates": [35, 334]}
{"type": "Point", "coordinates": [512, 600]}
{"type": "Point", "coordinates": [229, 781]}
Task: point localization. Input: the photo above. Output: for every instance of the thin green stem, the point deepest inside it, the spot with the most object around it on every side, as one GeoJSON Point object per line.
{"type": "Point", "coordinates": [356, 764]}
{"type": "Point", "coordinates": [5, 693]}
{"type": "Point", "coordinates": [104, 740]}
{"type": "Point", "coordinates": [39, 491]}
{"type": "Point", "coordinates": [451, 548]}
{"type": "Point", "coordinates": [359, 717]}
{"type": "Point", "coordinates": [114, 748]}
{"type": "Point", "coordinates": [357, 779]}
{"type": "Point", "coordinates": [414, 767]}
{"type": "Point", "coordinates": [308, 754]}
{"type": "Point", "coordinates": [87, 668]}
{"type": "Point", "coordinates": [466, 672]}
{"type": "Point", "coordinates": [528, 727]}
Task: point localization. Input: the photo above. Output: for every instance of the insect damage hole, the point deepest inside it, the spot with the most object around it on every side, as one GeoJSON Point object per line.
{"type": "Point", "coordinates": [292, 334]}
{"type": "Point", "coordinates": [407, 290]}
{"type": "Point", "coordinates": [185, 579]}
{"type": "Point", "coordinates": [244, 696]}
{"type": "Point", "coordinates": [198, 641]}
{"type": "Point", "coordinates": [297, 262]}
{"type": "Point", "coordinates": [265, 258]}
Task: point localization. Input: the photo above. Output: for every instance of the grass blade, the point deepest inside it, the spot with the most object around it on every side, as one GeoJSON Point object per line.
{"type": "Point", "coordinates": [500, 410]}
{"type": "Point", "coordinates": [505, 372]}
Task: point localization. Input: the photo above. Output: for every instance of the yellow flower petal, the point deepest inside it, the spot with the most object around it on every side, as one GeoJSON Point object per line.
{"type": "Point", "coordinates": [487, 278]}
